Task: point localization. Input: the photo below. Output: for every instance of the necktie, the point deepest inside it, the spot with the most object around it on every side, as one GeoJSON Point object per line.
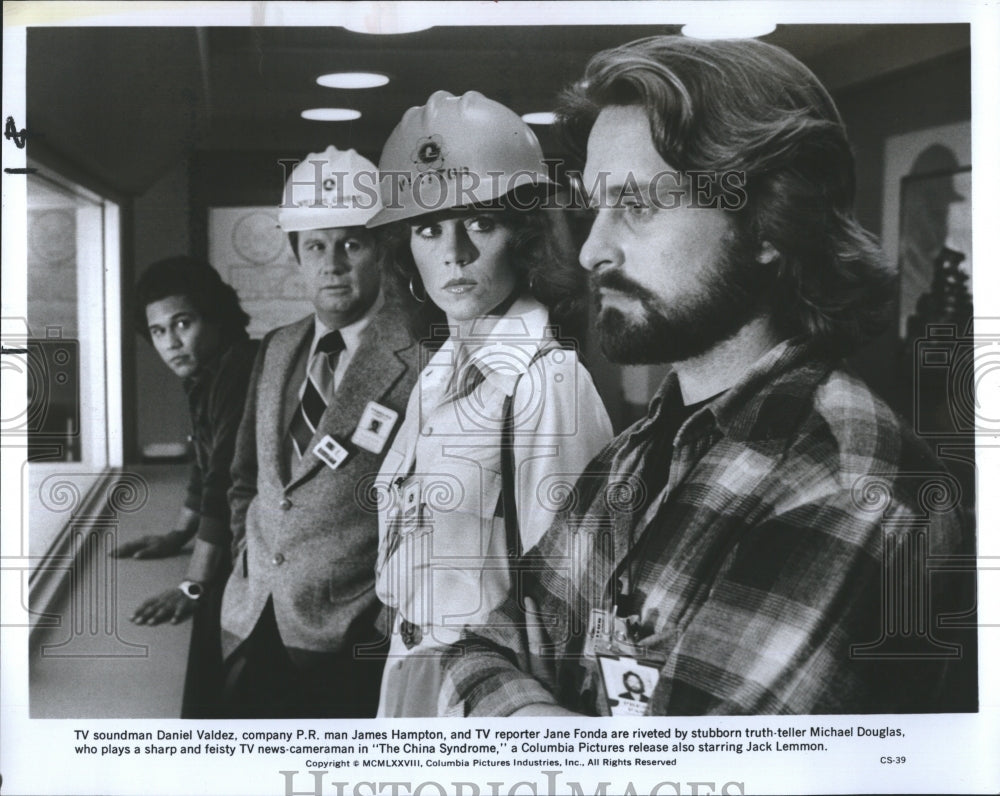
{"type": "Point", "coordinates": [318, 387]}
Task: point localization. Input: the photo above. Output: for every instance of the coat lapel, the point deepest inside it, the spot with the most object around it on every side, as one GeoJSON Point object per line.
{"type": "Point", "coordinates": [280, 390]}
{"type": "Point", "coordinates": [374, 368]}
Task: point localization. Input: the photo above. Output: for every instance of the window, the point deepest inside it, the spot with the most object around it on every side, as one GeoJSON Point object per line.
{"type": "Point", "coordinates": [72, 365]}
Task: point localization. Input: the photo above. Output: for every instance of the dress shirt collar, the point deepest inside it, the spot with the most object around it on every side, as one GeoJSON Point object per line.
{"type": "Point", "coordinates": [351, 333]}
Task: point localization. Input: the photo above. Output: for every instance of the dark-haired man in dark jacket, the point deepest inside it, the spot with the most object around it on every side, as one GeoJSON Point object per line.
{"type": "Point", "coordinates": [194, 321]}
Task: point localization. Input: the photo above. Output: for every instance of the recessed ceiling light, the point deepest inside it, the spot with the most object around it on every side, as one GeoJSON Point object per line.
{"type": "Point", "coordinates": [387, 23]}
{"type": "Point", "coordinates": [729, 29]}
{"type": "Point", "coordinates": [331, 114]}
{"type": "Point", "coordinates": [542, 117]}
{"type": "Point", "coordinates": [352, 80]}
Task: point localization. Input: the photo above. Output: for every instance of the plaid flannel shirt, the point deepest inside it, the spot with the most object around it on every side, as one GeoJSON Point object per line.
{"type": "Point", "coordinates": [763, 533]}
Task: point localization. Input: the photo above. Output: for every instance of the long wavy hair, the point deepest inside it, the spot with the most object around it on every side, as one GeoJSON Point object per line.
{"type": "Point", "coordinates": [750, 108]}
{"type": "Point", "coordinates": [541, 254]}
{"type": "Point", "coordinates": [214, 300]}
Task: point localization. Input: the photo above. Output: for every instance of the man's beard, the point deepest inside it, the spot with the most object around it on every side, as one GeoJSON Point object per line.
{"type": "Point", "coordinates": [728, 298]}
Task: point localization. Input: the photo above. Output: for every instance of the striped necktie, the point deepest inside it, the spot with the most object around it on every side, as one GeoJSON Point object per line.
{"type": "Point", "coordinates": [318, 387]}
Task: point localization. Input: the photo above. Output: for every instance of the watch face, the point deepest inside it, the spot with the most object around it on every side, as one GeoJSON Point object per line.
{"type": "Point", "coordinates": [192, 589]}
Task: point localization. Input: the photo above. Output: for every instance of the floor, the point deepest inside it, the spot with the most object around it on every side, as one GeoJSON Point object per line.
{"type": "Point", "coordinates": [96, 663]}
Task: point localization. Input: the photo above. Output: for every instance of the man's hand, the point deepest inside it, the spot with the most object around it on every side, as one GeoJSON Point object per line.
{"type": "Point", "coordinates": [152, 546]}
{"type": "Point", "coordinates": [172, 606]}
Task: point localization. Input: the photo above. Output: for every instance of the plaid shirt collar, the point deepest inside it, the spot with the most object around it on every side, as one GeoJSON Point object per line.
{"type": "Point", "coordinates": [764, 404]}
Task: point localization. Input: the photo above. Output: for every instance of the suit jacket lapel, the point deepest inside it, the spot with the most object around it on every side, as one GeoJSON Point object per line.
{"type": "Point", "coordinates": [280, 390]}
{"type": "Point", "coordinates": [374, 368]}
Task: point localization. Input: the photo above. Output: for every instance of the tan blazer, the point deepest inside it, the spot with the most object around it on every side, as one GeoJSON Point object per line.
{"type": "Point", "coordinates": [309, 538]}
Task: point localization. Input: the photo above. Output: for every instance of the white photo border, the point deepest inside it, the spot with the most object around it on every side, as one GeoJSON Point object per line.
{"type": "Point", "coordinates": [946, 753]}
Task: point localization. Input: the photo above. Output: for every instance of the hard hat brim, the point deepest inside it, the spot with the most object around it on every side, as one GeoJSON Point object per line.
{"type": "Point", "coordinates": [302, 219]}
{"type": "Point", "coordinates": [523, 191]}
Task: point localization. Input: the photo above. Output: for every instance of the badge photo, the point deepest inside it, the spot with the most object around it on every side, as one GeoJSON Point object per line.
{"type": "Point", "coordinates": [331, 452]}
{"type": "Point", "coordinates": [628, 683]}
{"type": "Point", "coordinates": [375, 427]}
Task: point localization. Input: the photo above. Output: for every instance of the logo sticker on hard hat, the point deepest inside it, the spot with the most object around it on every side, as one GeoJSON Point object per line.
{"type": "Point", "coordinates": [429, 153]}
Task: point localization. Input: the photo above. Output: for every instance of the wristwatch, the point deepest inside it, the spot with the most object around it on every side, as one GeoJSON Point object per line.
{"type": "Point", "coordinates": [192, 589]}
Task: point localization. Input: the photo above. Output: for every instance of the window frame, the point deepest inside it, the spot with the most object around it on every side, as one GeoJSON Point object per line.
{"type": "Point", "coordinates": [102, 421]}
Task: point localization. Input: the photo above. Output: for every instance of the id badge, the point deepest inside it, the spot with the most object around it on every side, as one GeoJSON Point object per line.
{"type": "Point", "coordinates": [629, 670]}
{"type": "Point", "coordinates": [331, 452]}
{"type": "Point", "coordinates": [599, 630]}
{"type": "Point", "coordinates": [375, 427]}
{"type": "Point", "coordinates": [628, 682]}
{"type": "Point", "coordinates": [409, 519]}
{"type": "Point", "coordinates": [609, 633]}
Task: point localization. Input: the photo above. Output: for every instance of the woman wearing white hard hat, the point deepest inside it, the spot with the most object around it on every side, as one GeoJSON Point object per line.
{"type": "Point", "coordinates": [503, 417]}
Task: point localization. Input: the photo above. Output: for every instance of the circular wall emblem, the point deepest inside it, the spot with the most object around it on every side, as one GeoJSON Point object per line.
{"type": "Point", "coordinates": [256, 237]}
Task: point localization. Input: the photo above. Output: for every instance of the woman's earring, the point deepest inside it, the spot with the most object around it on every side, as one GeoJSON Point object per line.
{"type": "Point", "coordinates": [413, 293]}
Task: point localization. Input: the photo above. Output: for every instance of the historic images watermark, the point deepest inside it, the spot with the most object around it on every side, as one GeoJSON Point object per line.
{"type": "Point", "coordinates": [552, 782]}
{"type": "Point", "coordinates": [438, 189]}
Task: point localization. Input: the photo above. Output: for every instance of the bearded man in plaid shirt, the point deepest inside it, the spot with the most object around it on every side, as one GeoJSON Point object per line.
{"type": "Point", "coordinates": [729, 552]}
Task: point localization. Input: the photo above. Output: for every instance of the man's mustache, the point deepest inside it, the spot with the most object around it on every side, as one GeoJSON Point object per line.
{"type": "Point", "coordinates": [616, 280]}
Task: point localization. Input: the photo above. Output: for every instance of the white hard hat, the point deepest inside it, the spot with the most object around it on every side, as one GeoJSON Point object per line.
{"type": "Point", "coordinates": [456, 151]}
{"type": "Point", "coordinates": [330, 189]}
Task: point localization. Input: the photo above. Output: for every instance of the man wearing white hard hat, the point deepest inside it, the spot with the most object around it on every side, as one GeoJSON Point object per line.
{"type": "Point", "coordinates": [300, 615]}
